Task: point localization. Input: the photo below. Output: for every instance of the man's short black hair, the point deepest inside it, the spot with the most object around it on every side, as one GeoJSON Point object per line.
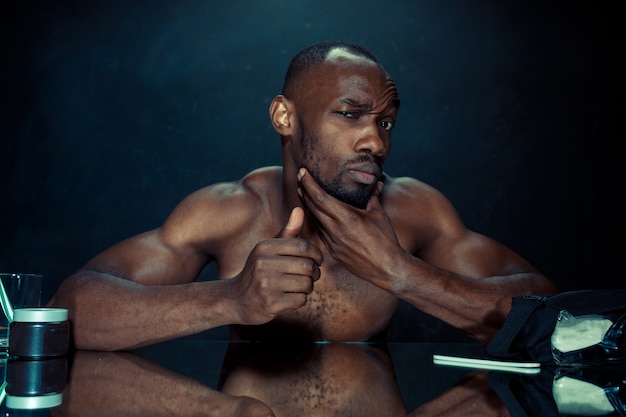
{"type": "Point", "coordinates": [314, 55]}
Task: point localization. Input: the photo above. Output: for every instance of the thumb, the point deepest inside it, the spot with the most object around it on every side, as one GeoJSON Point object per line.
{"type": "Point", "coordinates": [294, 224]}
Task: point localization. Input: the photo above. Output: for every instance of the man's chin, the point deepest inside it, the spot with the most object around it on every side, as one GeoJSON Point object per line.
{"type": "Point", "coordinates": [358, 199]}
{"type": "Point", "coordinates": [356, 195]}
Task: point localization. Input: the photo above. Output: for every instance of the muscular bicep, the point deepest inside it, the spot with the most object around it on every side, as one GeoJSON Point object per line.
{"type": "Point", "coordinates": [451, 246]}
{"type": "Point", "coordinates": [473, 255]}
{"type": "Point", "coordinates": [174, 253]}
{"type": "Point", "coordinates": [188, 240]}
{"type": "Point", "coordinates": [150, 259]}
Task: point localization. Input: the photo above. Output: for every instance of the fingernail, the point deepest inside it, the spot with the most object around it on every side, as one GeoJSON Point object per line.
{"type": "Point", "coordinates": [301, 173]}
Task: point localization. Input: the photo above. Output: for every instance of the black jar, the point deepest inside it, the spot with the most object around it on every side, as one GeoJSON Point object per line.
{"type": "Point", "coordinates": [35, 383]}
{"type": "Point", "coordinates": [39, 333]}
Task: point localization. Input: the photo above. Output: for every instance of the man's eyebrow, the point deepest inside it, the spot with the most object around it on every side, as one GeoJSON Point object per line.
{"type": "Point", "coordinates": [356, 104]}
{"type": "Point", "coordinates": [395, 103]}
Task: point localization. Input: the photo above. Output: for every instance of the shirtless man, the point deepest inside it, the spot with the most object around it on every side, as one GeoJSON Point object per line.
{"type": "Point", "coordinates": [326, 245]}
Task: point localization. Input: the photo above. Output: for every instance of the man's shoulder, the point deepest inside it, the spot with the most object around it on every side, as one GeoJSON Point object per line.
{"type": "Point", "coordinates": [408, 189]}
{"type": "Point", "coordinates": [224, 208]}
{"type": "Point", "coordinates": [262, 180]}
{"type": "Point", "coordinates": [415, 205]}
{"type": "Point", "coordinates": [241, 194]}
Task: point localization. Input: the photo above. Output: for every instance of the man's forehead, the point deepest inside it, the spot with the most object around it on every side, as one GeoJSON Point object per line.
{"type": "Point", "coordinates": [344, 74]}
{"type": "Point", "coordinates": [358, 83]}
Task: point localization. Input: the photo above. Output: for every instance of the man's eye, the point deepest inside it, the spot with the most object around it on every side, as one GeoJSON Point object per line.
{"type": "Point", "coordinates": [386, 124]}
{"type": "Point", "coordinates": [349, 114]}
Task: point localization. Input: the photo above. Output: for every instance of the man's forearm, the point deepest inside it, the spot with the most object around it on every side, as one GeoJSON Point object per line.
{"type": "Point", "coordinates": [478, 306]}
{"type": "Point", "coordinates": [111, 313]}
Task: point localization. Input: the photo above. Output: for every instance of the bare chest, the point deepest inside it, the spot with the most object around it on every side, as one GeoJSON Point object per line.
{"type": "Point", "coordinates": [342, 307]}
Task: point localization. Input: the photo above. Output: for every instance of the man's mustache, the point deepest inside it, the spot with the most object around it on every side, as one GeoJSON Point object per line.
{"type": "Point", "coordinates": [370, 159]}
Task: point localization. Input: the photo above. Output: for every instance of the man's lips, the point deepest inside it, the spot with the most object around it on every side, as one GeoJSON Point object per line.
{"type": "Point", "coordinates": [365, 174]}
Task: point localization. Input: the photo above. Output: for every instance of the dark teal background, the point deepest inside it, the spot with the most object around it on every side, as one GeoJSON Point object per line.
{"type": "Point", "coordinates": [113, 111]}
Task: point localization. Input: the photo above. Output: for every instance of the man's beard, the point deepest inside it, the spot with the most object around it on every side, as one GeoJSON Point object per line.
{"type": "Point", "coordinates": [357, 197]}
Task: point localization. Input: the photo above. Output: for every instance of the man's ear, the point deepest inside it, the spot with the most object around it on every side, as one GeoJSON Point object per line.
{"type": "Point", "coordinates": [280, 115]}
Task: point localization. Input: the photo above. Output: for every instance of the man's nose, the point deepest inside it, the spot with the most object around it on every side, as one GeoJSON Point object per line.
{"type": "Point", "coordinates": [371, 141]}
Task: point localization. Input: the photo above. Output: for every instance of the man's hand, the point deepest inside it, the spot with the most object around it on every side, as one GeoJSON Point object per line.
{"type": "Point", "coordinates": [278, 275]}
{"type": "Point", "coordinates": [363, 241]}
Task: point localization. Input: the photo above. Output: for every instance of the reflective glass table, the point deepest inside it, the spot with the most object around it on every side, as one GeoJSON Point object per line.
{"type": "Point", "coordinates": [192, 376]}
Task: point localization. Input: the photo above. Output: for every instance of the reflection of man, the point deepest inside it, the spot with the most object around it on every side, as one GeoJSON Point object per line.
{"type": "Point", "coordinates": [315, 379]}
{"type": "Point", "coordinates": [122, 383]}
{"type": "Point", "coordinates": [321, 380]}
{"type": "Point", "coordinates": [326, 244]}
